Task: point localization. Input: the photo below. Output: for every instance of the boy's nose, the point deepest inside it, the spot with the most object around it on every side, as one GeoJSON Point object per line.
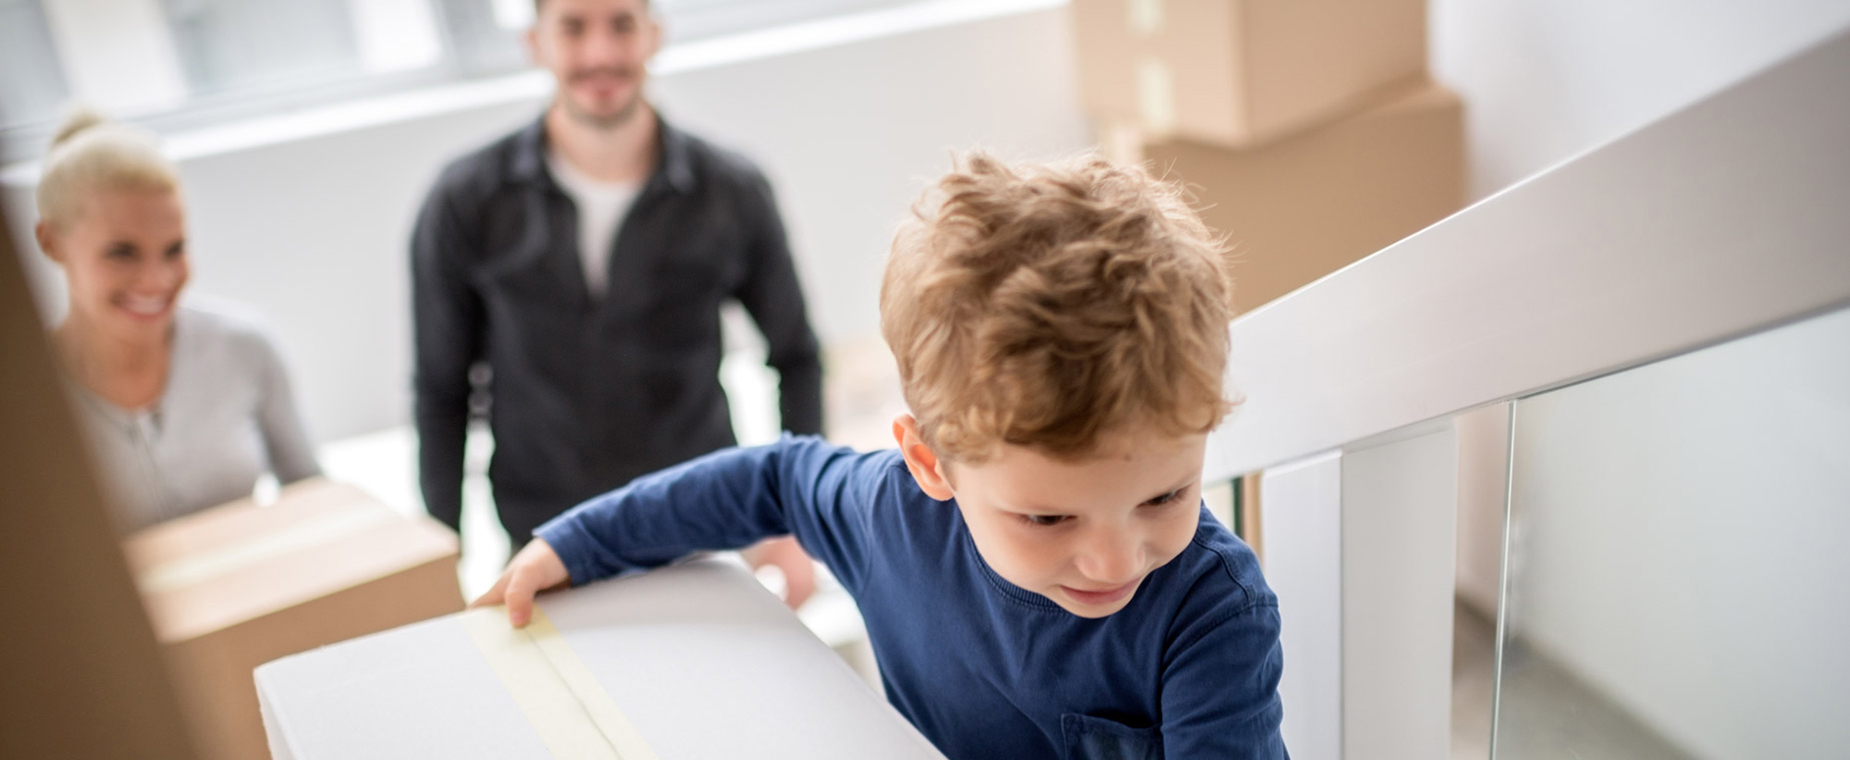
{"type": "Point", "coordinates": [1111, 558]}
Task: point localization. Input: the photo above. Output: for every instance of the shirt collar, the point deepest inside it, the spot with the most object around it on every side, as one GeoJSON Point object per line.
{"type": "Point", "coordinates": [675, 165]}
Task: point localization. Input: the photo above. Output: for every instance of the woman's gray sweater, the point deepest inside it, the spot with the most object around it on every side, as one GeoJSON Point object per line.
{"type": "Point", "coordinates": [225, 416]}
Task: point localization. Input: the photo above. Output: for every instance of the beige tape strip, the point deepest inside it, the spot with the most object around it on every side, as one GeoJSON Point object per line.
{"type": "Point", "coordinates": [561, 699]}
{"type": "Point", "coordinates": [1156, 97]}
{"type": "Point", "coordinates": [1146, 16]}
{"type": "Point", "coordinates": [180, 573]}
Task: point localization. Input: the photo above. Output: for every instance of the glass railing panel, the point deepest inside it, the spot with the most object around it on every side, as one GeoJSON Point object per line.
{"type": "Point", "coordinates": [1676, 583]}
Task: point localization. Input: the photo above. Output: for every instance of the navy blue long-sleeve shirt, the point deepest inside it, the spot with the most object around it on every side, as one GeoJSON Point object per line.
{"type": "Point", "coordinates": [985, 669]}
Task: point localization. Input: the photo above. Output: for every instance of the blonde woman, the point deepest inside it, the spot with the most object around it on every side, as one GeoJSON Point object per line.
{"type": "Point", "coordinates": [186, 406]}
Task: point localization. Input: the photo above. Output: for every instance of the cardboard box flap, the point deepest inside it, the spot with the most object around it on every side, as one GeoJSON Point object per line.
{"type": "Point", "coordinates": [1239, 73]}
{"type": "Point", "coordinates": [367, 698]}
{"type": "Point", "coordinates": [238, 562]}
{"type": "Point", "coordinates": [235, 522]}
{"type": "Point", "coordinates": [700, 660]}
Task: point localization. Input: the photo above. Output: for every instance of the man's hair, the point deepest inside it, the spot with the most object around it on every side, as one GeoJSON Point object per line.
{"type": "Point", "coordinates": [1048, 306]}
{"type": "Point", "coordinates": [538, 4]}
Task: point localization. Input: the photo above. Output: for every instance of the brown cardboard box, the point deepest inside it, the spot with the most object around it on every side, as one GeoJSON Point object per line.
{"type": "Point", "coordinates": [1237, 73]}
{"type": "Point", "coordinates": [80, 674]}
{"type": "Point", "coordinates": [1308, 205]}
{"type": "Point", "coordinates": [239, 585]}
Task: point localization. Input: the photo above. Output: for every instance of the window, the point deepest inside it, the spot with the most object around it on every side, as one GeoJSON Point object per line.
{"type": "Point", "coordinates": [33, 84]}
{"type": "Point", "coordinates": [180, 64]}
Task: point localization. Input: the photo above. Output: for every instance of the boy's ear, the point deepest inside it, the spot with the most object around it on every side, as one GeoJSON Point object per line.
{"type": "Point", "coordinates": [927, 469]}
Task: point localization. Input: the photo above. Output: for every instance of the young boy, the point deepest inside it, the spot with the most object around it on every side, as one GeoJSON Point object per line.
{"type": "Point", "coordinates": [1037, 572]}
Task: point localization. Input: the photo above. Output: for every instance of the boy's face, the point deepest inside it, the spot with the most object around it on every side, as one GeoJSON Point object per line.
{"type": "Point", "coordinates": [1084, 533]}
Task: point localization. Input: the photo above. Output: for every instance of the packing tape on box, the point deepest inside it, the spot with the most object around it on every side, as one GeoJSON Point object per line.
{"type": "Point", "coordinates": [561, 699]}
{"type": "Point", "coordinates": [321, 529]}
{"type": "Point", "coordinates": [1146, 16]}
{"type": "Point", "coordinates": [1156, 96]}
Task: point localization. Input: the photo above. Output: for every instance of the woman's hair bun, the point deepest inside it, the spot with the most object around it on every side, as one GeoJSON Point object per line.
{"type": "Point", "coordinates": [78, 119]}
{"type": "Point", "coordinates": [90, 153]}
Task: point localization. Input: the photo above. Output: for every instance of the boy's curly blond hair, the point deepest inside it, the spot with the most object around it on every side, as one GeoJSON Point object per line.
{"type": "Point", "coordinates": [1047, 306]}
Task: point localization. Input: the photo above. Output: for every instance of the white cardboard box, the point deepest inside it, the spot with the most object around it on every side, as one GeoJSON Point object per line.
{"type": "Point", "coordinates": [699, 660]}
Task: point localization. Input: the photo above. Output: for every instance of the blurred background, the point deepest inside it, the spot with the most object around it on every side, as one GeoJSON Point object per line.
{"type": "Point", "coordinates": [308, 130]}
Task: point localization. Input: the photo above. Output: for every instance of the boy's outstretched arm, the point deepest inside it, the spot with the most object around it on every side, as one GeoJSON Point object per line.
{"type": "Point", "coordinates": [729, 499]}
{"type": "Point", "coordinates": [533, 569]}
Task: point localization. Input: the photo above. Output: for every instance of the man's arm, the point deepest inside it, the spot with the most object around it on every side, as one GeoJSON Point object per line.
{"type": "Point", "coordinates": [447, 328]}
{"type": "Point", "coordinates": [774, 297]}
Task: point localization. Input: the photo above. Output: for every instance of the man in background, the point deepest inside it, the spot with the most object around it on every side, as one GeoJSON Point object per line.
{"type": "Point", "coordinates": [583, 260]}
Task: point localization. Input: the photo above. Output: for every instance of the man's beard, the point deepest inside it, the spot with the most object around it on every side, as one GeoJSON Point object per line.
{"type": "Point", "coordinates": [623, 115]}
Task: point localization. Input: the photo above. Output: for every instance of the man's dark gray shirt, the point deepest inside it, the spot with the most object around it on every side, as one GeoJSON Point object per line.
{"type": "Point", "coordinates": [590, 392]}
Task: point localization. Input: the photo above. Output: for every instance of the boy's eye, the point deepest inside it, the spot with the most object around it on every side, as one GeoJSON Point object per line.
{"type": "Point", "coordinates": [121, 251]}
{"type": "Point", "coordinates": [1166, 498]}
{"type": "Point", "coordinates": [1045, 520]}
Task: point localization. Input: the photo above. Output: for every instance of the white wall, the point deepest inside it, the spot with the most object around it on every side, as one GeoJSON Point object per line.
{"type": "Point", "coordinates": [1544, 80]}
{"type": "Point", "coordinates": [1679, 541]}
{"type": "Point", "coordinates": [313, 227]}
{"type": "Point", "coordinates": [850, 135]}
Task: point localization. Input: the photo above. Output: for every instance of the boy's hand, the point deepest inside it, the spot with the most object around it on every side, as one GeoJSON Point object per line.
{"type": "Point", "coordinates": [534, 569]}
{"type": "Point", "coordinates": [799, 570]}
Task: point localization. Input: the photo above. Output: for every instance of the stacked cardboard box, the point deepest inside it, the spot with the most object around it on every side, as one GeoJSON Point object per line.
{"type": "Point", "coordinates": [238, 585]}
{"type": "Point", "coordinates": [1307, 129]}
